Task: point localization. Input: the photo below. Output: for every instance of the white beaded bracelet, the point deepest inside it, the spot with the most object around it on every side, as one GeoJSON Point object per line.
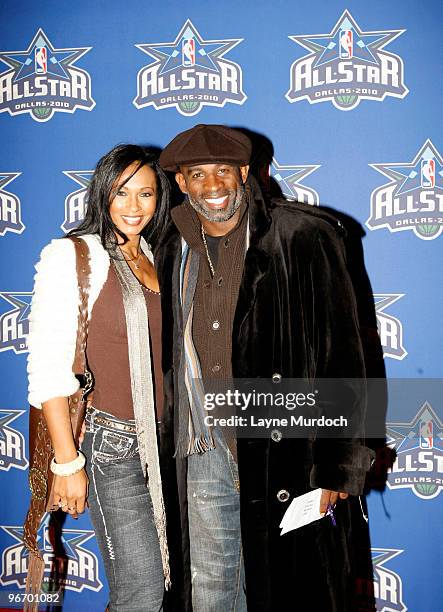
{"type": "Point", "coordinates": [68, 469]}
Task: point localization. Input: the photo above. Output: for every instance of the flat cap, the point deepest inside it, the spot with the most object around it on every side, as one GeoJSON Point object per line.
{"type": "Point", "coordinates": [206, 144]}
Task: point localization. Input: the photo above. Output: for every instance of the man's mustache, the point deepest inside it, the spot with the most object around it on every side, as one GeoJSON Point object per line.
{"type": "Point", "coordinates": [221, 194]}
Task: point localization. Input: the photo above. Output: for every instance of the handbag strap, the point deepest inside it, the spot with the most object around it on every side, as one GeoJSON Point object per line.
{"type": "Point", "coordinates": [42, 454]}
{"type": "Point", "coordinates": [83, 266]}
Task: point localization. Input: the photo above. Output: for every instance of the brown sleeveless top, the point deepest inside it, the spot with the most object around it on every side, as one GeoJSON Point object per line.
{"type": "Point", "coordinates": [107, 350]}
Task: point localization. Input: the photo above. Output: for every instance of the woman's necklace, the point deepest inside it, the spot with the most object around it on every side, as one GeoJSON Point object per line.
{"type": "Point", "coordinates": [134, 260]}
{"type": "Point", "coordinates": [211, 267]}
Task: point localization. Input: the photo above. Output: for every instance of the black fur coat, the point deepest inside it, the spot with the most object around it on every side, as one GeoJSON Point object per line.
{"type": "Point", "coordinates": [295, 316]}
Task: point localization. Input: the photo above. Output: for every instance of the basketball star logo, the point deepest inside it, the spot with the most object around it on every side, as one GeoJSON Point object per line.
{"type": "Point", "coordinates": [43, 80]}
{"type": "Point", "coordinates": [346, 66]}
{"type": "Point", "coordinates": [189, 73]}
{"type": "Point", "coordinates": [413, 198]}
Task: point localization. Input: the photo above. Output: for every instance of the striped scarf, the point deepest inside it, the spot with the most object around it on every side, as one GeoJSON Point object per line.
{"type": "Point", "coordinates": [194, 435]}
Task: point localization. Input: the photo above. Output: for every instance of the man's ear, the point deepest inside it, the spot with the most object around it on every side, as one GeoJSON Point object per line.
{"type": "Point", "coordinates": [181, 182]}
{"type": "Point", "coordinates": [244, 171]}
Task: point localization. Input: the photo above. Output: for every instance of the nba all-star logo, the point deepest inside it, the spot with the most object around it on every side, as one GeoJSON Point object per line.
{"type": "Point", "coordinates": [189, 73]}
{"type": "Point", "coordinates": [289, 180]}
{"type": "Point", "coordinates": [390, 329]}
{"type": "Point", "coordinates": [14, 324]}
{"type": "Point", "coordinates": [74, 567]}
{"type": "Point", "coordinates": [43, 80]}
{"type": "Point", "coordinates": [346, 66]}
{"type": "Point", "coordinates": [10, 207]}
{"type": "Point", "coordinates": [413, 197]}
{"type": "Point", "coordinates": [419, 447]}
{"type": "Point", "coordinates": [75, 202]}
{"type": "Point", "coordinates": [388, 587]}
{"type": "Point", "coordinates": [12, 442]}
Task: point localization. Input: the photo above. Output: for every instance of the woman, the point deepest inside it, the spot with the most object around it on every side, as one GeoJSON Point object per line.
{"type": "Point", "coordinates": [126, 213]}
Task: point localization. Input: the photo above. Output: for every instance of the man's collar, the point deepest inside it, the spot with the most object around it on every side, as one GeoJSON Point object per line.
{"type": "Point", "coordinates": [259, 219]}
{"type": "Point", "coordinates": [188, 224]}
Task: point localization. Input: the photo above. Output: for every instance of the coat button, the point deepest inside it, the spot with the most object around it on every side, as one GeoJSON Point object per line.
{"type": "Point", "coordinates": [276, 378]}
{"type": "Point", "coordinates": [283, 495]}
{"type": "Point", "coordinates": [216, 367]}
{"type": "Point", "coordinates": [206, 284]}
{"type": "Point", "coordinates": [215, 324]}
{"type": "Point", "coordinates": [276, 435]}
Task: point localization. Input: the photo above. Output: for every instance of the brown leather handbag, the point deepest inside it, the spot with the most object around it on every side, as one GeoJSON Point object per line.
{"type": "Point", "coordinates": [40, 448]}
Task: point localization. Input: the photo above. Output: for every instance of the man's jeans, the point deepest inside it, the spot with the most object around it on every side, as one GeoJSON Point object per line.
{"type": "Point", "coordinates": [214, 531]}
{"type": "Point", "coordinates": [121, 512]}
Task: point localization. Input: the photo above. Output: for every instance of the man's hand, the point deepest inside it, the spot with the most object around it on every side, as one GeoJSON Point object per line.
{"type": "Point", "coordinates": [330, 497]}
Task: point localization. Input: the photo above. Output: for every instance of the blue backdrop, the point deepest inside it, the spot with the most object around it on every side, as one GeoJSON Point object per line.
{"type": "Point", "coordinates": [350, 96]}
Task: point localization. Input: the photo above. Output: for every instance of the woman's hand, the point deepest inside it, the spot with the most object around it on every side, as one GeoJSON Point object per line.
{"type": "Point", "coordinates": [70, 493]}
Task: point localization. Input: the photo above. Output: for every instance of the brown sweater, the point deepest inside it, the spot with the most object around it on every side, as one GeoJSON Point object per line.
{"type": "Point", "coordinates": [107, 350]}
{"type": "Point", "coordinates": [215, 298]}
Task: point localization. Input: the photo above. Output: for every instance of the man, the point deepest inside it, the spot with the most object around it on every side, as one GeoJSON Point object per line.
{"type": "Point", "coordinates": [258, 289]}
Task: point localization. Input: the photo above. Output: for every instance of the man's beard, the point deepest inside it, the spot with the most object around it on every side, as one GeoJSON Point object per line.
{"type": "Point", "coordinates": [218, 216]}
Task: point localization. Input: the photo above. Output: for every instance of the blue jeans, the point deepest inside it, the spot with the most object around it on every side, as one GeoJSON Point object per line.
{"type": "Point", "coordinates": [217, 570]}
{"type": "Point", "coordinates": [121, 513]}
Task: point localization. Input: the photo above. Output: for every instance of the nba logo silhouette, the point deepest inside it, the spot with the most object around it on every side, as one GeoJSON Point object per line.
{"type": "Point", "coordinates": [188, 52]}
{"type": "Point", "coordinates": [48, 538]}
{"type": "Point", "coordinates": [428, 173]}
{"type": "Point", "coordinates": [40, 60]}
{"type": "Point", "coordinates": [345, 44]}
{"type": "Point", "coordinates": [427, 434]}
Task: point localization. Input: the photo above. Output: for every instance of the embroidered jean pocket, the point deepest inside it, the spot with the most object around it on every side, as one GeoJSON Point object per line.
{"type": "Point", "coordinates": [115, 446]}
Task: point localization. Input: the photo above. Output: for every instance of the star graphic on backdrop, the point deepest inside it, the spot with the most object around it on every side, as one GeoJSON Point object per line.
{"type": "Point", "coordinates": [7, 177]}
{"type": "Point", "coordinates": [408, 175]}
{"type": "Point", "coordinates": [16, 532]}
{"type": "Point", "coordinates": [381, 555]}
{"type": "Point", "coordinates": [21, 301]}
{"type": "Point", "coordinates": [327, 46]}
{"type": "Point", "coordinates": [58, 60]}
{"type": "Point", "coordinates": [71, 539]}
{"type": "Point", "coordinates": [404, 437]}
{"type": "Point", "coordinates": [288, 176]}
{"type": "Point", "coordinates": [82, 177]}
{"type": "Point", "coordinates": [383, 300]}
{"type": "Point", "coordinates": [206, 51]}
{"type": "Point", "coordinates": [6, 418]}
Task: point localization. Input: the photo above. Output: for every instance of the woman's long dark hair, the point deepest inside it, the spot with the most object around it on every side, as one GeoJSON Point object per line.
{"type": "Point", "coordinates": [100, 193]}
